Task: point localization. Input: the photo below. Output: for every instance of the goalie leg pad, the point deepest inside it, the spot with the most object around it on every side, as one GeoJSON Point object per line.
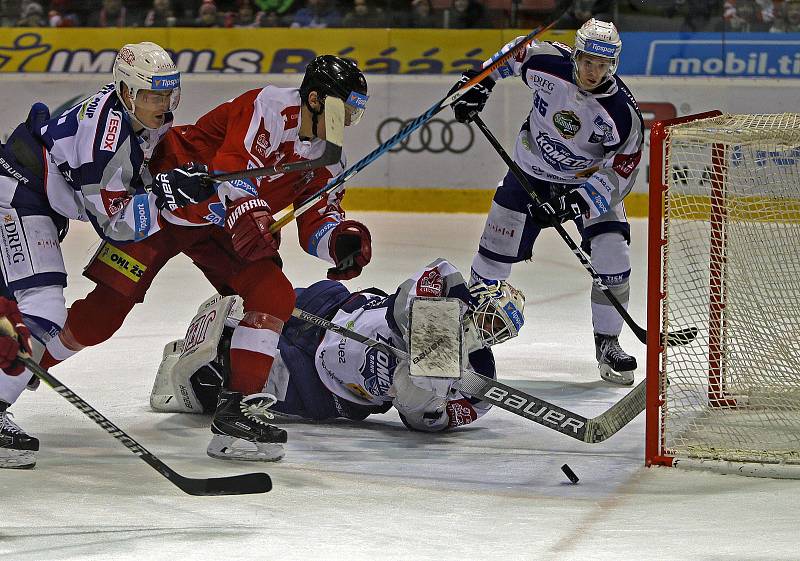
{"type": "Point", "coordinates": [194, 369]}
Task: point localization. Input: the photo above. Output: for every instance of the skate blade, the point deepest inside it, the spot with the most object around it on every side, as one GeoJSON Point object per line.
{"type": "Point", "coordinates": [231, 448]}
{"type": "Point", "coordinates": [17, 459]}
{"type": "Point", "coordinates": [622, 378]}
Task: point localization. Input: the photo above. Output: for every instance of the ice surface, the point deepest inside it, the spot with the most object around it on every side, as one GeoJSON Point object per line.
{"type": "Point", "coordinates": [373, 490]}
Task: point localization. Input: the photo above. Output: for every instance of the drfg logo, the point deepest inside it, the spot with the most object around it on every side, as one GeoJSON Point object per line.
{"type": "Point", "coordinates": [533, 409]}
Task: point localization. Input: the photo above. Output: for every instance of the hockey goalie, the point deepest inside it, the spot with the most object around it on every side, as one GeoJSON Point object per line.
{"type": "Point", "coordinates": [319, 375]}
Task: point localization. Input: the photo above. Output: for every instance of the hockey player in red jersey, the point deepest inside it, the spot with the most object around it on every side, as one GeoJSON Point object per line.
{"type": "Point", "coordinates": [227, 237]}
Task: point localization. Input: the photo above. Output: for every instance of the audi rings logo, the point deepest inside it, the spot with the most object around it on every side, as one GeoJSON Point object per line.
{"type": "Point", "coordinates": [436, 136]}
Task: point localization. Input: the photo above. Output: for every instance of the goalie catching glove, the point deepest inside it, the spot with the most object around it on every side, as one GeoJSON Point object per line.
{"type": "Point", "coordinates": [11, 343]}
{"type": "Point", "coordinates": [248, 221]}
{"type": "Point", "coordinates": [351, 246]}
{"type": "Point", "coordinates": [474, 100]}
{"type": "Point", "coordinates": [182, 186]}
{"type": "Point", "coordinates": [558, 210]}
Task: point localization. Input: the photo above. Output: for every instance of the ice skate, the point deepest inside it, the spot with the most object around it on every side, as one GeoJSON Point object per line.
{"type": "Point", "coordinates": [241, 431]}
{"type": "Point", "coordinates": [17, 449]}
{"type": "Point", "coordinates": [616, 366]}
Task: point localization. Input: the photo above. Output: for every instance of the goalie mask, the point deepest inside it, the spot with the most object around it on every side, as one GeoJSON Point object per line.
{"type": "Point", "coordinates": [600, 39]}
{"type": "Point", "coordinates": [337, 77]}
{"type": "Point", "coordinates": [498, 315]}
{"type": "Point", "coordinates": [145, 68]}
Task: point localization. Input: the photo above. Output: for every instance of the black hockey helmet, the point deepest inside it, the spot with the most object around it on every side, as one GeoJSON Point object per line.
{"type": "Point", "coordinates": [338, 77]}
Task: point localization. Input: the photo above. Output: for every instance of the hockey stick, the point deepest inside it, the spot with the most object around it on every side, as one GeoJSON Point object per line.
{"type": "Point", "coordinates": [334, 138]}
{"type": "Point", "coordinates": [680, 337]}
{"type": "Point", "coordinates": [234, 485]}
{"type": "Point", "coordinates": [331, 155]}
{"type": "Point", "coordinates": [589, 430]}
{"type": "Point", "coordinates": [404, 132]}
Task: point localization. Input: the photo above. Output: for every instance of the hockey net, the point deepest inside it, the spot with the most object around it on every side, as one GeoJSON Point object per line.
{"type": "Point", "coordinates": [724, 256]}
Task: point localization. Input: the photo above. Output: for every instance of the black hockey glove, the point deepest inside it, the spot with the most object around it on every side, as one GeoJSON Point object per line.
{"type": "Point", "coordinates": [558, 210]}
{"type": "Point", "coordinates": [182, 186]}
{"type": "Point", "coordinates": [474, 100]}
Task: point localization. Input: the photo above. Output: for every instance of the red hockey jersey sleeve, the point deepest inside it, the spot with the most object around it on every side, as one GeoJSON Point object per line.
{"type": "Point", "coordinates": [260, 128]}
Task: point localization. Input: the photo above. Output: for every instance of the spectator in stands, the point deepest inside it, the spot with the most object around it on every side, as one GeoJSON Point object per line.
{"type": "Point", "coordinates": [467, 14]}
{"type": "Point", "coordinates": [9, 12]}
{"type": "Point", "coordinates": [698, 15]}
{"type": "Point", "coordinates": [582, 11]}
{"type": "Point", "coordinates": [207, 15]}
{"type": "Point", "coordinates": [317, 13]}
{"type": "Point", "coordinates": [280, 7]}
{"type": "Point", "coordinates": [272, 18]}
{"type": "Point", "coordinates": [31, 15]}
{"type": "Point", "coordinates": [112, 14]}
{"type": "Point", "coordinates": [787, 18]}
{"type": "Point", "coordinates": [160, 15]}
{"type": "Point", "coordinates": [745, 18]}
{"type": "Point", "coordinates": [423, 16]}
{"type": "Point", "coordinates": [61, 14]}
{"type": "Point", "coordinates": [764, 9]}
{"type": "Point", "coordinates": [246, 15]}
{"type": "Point", "coordinates": [364, 15]}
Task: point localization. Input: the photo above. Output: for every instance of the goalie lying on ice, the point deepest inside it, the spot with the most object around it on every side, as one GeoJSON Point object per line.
{"type": "Point", "coordinates": [319, 375]}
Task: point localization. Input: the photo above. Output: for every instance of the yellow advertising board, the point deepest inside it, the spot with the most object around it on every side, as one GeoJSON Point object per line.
{"type": "Point", "coordinates": [267, 50]}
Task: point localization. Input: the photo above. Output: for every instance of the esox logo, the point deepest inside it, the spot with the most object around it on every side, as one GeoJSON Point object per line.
{"type": "Point", "coordinates": [111, 132]}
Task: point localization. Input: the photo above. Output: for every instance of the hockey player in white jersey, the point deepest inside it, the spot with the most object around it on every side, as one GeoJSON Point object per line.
{"type": "Point", "coordinates": [319, 375]}
{"type": "Point", "coordinates": [89, 164]}
{"type": "Point", "coordinates": [580, 146]}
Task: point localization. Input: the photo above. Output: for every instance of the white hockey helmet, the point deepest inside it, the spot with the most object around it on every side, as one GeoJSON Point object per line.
{"type": "Point", "coordinates": [146, 66]}
{"type": "Point", "coordinates": [599, 38]}
{"type": "Point", "coordinates": [498, 316]}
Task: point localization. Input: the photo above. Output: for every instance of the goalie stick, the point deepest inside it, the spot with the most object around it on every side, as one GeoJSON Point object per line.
{"type": "Point", "coordinates": [590, 430]}
{"type": "Point", "coordinates": [679, 337]}
{"type": "Point", "coordinates": [245, 484]}
{"type": "Point", "coordinates": [290, 214]}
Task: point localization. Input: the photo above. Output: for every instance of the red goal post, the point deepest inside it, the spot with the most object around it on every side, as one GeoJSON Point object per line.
{"type": "Point", "coordinates": [724, 255]}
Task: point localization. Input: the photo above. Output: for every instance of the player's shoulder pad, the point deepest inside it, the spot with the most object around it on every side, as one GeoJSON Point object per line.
{"type": "Point", "coordinates": [565, 50]}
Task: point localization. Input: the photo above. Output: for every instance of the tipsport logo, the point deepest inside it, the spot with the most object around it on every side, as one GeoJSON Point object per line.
{"type": "Point", "coordinates": [357, 100]}
{"type": "Point", "coordinates": [514, 315]}
{"type": "Point", "coordinates": [166, 82]}
{"type": "Point", "coordinates": [601, 49]}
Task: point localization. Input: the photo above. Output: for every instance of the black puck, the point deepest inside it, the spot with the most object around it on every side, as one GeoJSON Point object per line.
{"type": "Point", "coordinates": [569, 473]}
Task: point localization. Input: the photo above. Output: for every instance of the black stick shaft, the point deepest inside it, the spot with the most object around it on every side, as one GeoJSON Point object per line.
{"type": "Point", "coordinates": [234, 485]}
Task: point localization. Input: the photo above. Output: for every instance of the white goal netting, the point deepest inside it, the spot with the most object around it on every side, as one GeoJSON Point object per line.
{"type": "Point", "coordinates": [732, 269]}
